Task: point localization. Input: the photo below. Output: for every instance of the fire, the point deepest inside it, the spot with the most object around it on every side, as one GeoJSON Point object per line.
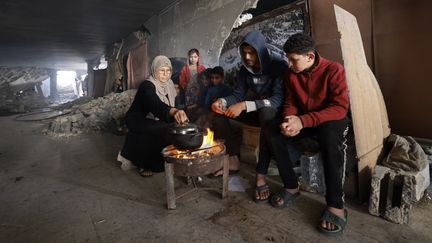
{"type": "Point", "coordinates": [208, 139]}
{"type": "Point", "coordinates": [209, 147]}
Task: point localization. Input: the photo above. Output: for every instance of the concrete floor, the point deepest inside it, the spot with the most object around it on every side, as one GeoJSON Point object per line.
{"type": "Point", "coordinates": [71, 190]}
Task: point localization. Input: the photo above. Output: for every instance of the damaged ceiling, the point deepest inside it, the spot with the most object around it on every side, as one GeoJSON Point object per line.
{"type": "Point", "coordinates": [64, 34]}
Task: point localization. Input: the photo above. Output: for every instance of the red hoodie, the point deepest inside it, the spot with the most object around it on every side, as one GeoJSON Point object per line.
{"type": "Point", "coordinates": [317, 95]}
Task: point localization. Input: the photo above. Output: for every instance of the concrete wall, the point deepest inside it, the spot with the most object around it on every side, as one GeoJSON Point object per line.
{"type": "Point", "coordinates": [194, 24]}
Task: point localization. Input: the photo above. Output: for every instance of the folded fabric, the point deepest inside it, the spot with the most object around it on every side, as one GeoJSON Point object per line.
{"type": "Point", "coordinates": [405, 154]}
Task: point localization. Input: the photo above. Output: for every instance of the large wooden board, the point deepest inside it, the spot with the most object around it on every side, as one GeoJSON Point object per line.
{"type": "Point", "coordinates": [369, 114]}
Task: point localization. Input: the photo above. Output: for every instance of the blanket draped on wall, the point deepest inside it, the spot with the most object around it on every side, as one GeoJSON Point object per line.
{"type": "Point", "coordinates": [137, 66]}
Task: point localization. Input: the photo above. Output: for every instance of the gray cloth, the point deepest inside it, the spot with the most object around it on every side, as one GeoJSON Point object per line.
{"type": "Point", "coordinates": [405, 154]}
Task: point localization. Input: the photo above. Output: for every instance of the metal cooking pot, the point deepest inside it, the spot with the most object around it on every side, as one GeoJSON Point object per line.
{"type": "Point", "coordinates": [186, 136]}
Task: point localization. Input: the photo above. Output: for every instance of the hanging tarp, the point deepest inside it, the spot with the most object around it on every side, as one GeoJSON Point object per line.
{"type": "Point", "coordinates": [137, 66]}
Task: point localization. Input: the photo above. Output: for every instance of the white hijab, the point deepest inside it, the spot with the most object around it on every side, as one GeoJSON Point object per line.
{"type": "Point", "coordinates": [163, 89]}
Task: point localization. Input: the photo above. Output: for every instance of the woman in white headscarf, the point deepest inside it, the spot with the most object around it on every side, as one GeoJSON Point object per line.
{"type": "Point", "coordinates": [148, 119]}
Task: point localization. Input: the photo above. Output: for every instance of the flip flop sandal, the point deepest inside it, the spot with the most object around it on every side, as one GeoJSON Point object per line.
{"type": "Point", "coordinates": [338, 222]}
{"type": "Point", "coordinates": [286, 197]}
{"type": "Point", "coordinates": [145, 172]}
{"type": "Point", "coordinates": [258, 191]}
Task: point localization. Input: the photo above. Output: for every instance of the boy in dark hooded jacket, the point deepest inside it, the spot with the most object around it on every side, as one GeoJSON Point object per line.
{"type": "Point", "coordinates": [256, 100]}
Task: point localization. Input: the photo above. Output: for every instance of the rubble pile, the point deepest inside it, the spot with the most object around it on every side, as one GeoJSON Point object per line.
{"type": "Point", "coordinates": [103, 114]}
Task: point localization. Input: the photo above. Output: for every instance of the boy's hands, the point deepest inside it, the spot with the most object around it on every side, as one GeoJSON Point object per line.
{"type": "Point", "coordinates": [291, 126]}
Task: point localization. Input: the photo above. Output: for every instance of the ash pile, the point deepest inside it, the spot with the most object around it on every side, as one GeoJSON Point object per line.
{"type": "Point", "coordinates": [102, 114]}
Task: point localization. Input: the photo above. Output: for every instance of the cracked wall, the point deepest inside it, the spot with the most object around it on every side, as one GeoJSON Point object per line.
{"type": "Point", "coordinates": [195, 24]}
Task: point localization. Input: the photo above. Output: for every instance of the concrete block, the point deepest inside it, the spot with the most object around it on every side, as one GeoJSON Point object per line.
{"type": "Point", "coordinates": [377, 179]}
{"type": "Point", "coordinates": [273, 169]}
{"type": "Point", "coordinates": [421, 182]}
{"type": "Point", "coordinates": [394, 192]}
{"type": "Point", "coordinates": [312, 173]}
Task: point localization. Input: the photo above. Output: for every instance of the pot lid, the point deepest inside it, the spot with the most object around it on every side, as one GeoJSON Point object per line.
{"type": "Point", "coordinates": [188, 128]}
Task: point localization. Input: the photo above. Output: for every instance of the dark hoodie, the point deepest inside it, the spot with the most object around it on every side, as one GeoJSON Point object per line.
{"type": "Point", "coordinates": [265, 85]}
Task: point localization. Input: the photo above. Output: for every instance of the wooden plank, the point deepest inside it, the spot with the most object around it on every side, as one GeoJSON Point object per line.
{"type": "Point", "coordinates": [366, 168]}
{"type": "Point", "coordinates": [225, 176]}
{"type": "Point", "coordinates": [367, 105]}
{"type": "Point", "coordinates": [368, 110]}
{"type": "Point", "coordinates": [170, 191]}
{"type": "Point", "coordinates": [383, 109]}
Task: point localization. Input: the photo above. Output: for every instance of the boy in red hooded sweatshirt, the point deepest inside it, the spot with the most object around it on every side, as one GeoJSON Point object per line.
{"type": "Point", "coordinates": [316, 104]}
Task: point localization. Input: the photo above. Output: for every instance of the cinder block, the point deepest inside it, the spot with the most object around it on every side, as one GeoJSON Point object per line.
{"type": "Point", "coordinates": [422, 182]}
{"type": "Point", "coordinates": [312, 173]}
{"type": "Point", "coordinates": [394, 192]}
{"type": "Point", "coordinates": [377, 179]}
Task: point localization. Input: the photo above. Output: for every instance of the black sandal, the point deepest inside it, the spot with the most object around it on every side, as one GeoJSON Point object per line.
{"type": "Point", "coordinates": [258, 191]}
{"type": "Point", "coordinates": [338, 222]}
{"type": "Point", "coordinates": [286, 197]}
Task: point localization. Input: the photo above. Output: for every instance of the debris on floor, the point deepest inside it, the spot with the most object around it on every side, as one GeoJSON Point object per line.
{"type": "Point", "coordinates": [102, 114]}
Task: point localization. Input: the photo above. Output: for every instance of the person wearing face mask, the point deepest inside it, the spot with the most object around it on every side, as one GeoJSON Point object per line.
{"type": "Point", "coordinates": [189, 83]}
{"type": "Point", "coordinates": [316, 104]}
{"type": "Point", "coordinates": [149, 118]}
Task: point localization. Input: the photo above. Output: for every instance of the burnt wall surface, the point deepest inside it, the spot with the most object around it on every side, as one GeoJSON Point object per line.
{"type": "Point", "coordinates": [194, 24]}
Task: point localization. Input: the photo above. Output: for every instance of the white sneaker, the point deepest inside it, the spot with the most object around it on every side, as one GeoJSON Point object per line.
{"type": "Point", "coordinates": [125, 163]}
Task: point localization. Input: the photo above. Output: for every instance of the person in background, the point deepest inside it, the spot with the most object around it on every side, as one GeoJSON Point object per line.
{"type": "Point", "coordinates": [149, 118]}
{"type": "Point", "coordinates": [217, 89]}
{"type": "Point", "coordinates": [189, 84]}
{"type": "Point", "coordinates": [316, 104]}
{"type": "Point", "coordinates": [256, 100]}
{"type": "Point", "coordinates": [205, 83]}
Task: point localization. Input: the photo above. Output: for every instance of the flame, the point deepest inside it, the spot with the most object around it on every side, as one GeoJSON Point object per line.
{"type": "Point", "coordinates": [208, 139]}
{"type": "Point", "coordinates": [208, 148]}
